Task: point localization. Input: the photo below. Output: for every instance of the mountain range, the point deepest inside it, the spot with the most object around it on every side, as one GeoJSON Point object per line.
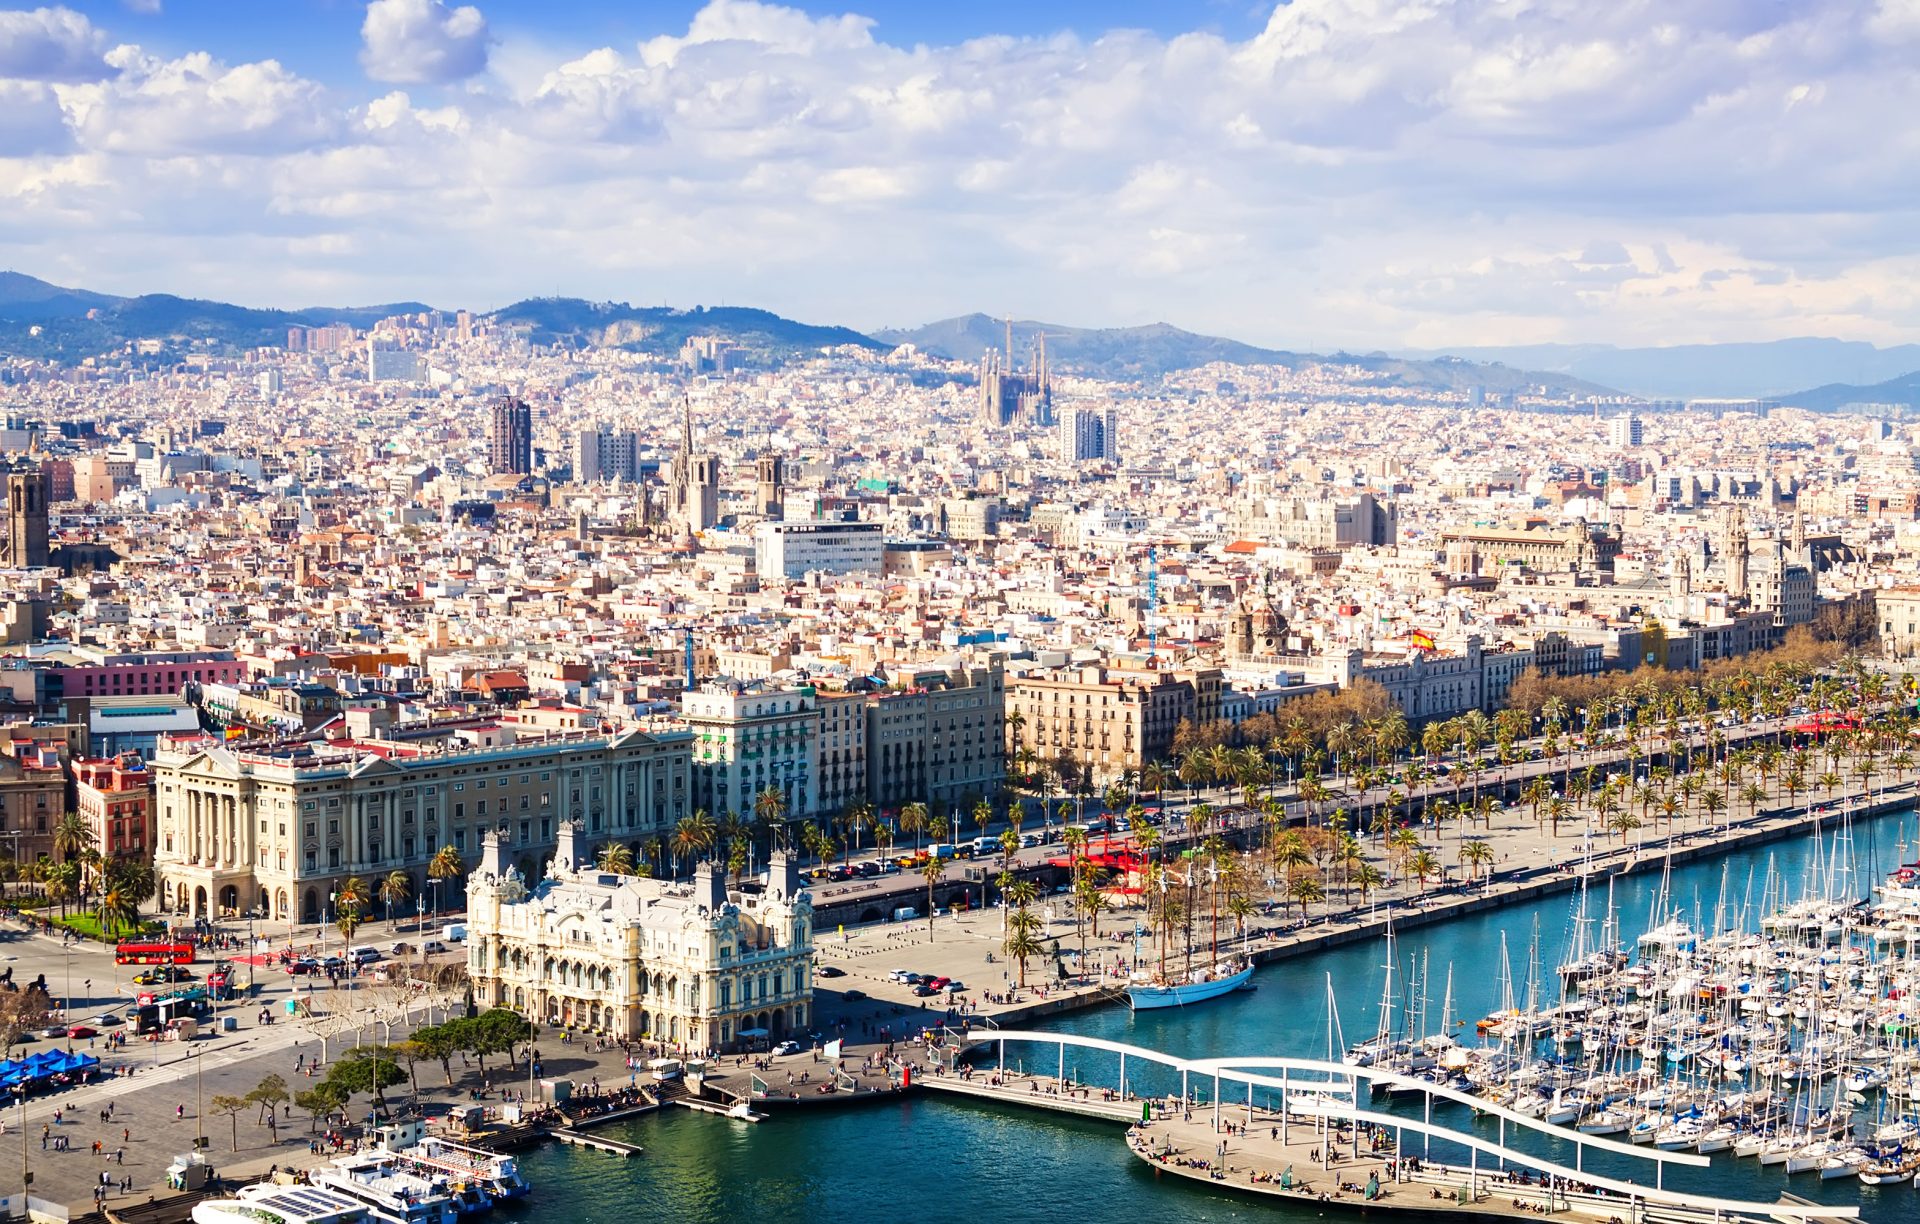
{"type": "Point", "coordinates": [1776, 369]}
{"type": "Point", "coordinates": [1160, 348]}
{"type": "Point", "coordinates": [54, 322]}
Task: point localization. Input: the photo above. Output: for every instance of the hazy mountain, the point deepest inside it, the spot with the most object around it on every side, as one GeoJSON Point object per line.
{"type": "Point", "coordinates": [662, 329]}
{"type": "Point", "coordinates": [1157, 348]}
{"type": "Point", "coordinates": [66, 333]}
{"type": "Point", "coordinates": [1834, 396]}
{"type": "Point", "coordinates": [1708, 371]}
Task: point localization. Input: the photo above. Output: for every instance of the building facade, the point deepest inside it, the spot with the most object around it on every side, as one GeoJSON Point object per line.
{"type": "Point", "coordinates": [114, 795]}
{"type": "Point", "coordinates": [277, 829]}
{"type": "Point", "coordinates": [749, 737]}
{"type": "Point", "coordinates": [939, 736]}
{"type": "Point", "coordinates": [1109, 721]}
{"type": "Point", "coordinates": [510, 438]}
{"type": "Point", "coordinates": [695, 966]}
{"type": "Point", "coordinates": [790, 551]}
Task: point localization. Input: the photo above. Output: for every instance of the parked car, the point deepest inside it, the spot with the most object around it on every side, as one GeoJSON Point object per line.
{"type": "Point", "coordinates": [786, 1047]}
{"type": "Point", "coordinates": [853, 996]}
{"type": "Point", "coordinates": [898, 975]}
{"type": "Point", "coordinates": [431, 946]}
{"type": "Point", "coordinates": [923, 990]}
{"type": "Point", "coordinates": [107, 1020]}
{"type": "Point", "coordinates": [303, 966]}
{"type": "Point", "coordinates": [829, 971]}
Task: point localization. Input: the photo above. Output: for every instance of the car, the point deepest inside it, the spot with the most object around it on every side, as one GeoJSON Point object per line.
{"type": "Point", "coordinates": [58, 1030]}
{"type": "Point", "coordinates": [938, 983]}
{"type": "Point", "coordinates": [786, 1047]}
{"type": "Point", "coordinates": [867, 870]}
{"type": "Point", "coordinates": [954, 987]}
{"type": "Point", "coordinates": [911, 979]}
{"type": "Point", "coordinates": [853, 996]}
{"type": "Point", "coordinates": [898, 975]}
{"type": "Point", "coordinates": [923, 990]}
{"type": "Point", "coordinates": [829, 971]}
{"type": "Point", "coordinates": [303, 966]}
{"type": "Point", "coordinates": [333, 962]}
{"type": "Point", "coordinates": [107, 1020]}
{"type": "Point", "coordinates": [81, 1031]}
{"type": "Point", "coordinates": [432, 946]}
{"type": "Point", "coordinates": [161, 975]}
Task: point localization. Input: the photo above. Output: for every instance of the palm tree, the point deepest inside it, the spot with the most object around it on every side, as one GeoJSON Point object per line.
{"type": "Point", "coordinates": [446, 864]}
{"type": "Point", "coordinates": [352, 894]}
{"type": "Point", "coordinates": [931, 871]}
{"type": "Point", "coordinates": [616, 858]}
{"type": "Point", "coordinates": [1422, 864]}
{"type": "Point", "coordinates": [695, 834]}
{"type": "Point", "coordinates": [1306, 889]}
{"type": "Point", "coordinates": [72, 836]}
{"type": "Point", "coordinates": [1023, 940]}
{"type": "Point", "coordinates": [1476, 855]}
{"type": "Point", "coordinates": [394, 890]}
{"type": "Point", "coordinates": [770, 806]}
{"type": "Point", "coordinates": [1089, 900]}
{"type": "Point", "coordinates": [1367, 876]}
{"type": "Point", "coordinates": [117, 910]}
{"type": "Point", "coordinates": [913, 819]}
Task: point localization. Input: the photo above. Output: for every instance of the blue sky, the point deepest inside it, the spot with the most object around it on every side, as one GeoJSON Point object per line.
{"type": "Point", "coordinates": [1361, 173]}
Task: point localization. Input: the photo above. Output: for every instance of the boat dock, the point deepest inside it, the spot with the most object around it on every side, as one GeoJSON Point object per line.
{"type": "Point", "coordinates": [1304, 1130]}
{"type": "Point", "coordinates": [567, 1135]}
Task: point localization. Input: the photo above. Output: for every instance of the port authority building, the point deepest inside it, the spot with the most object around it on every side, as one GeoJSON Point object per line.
{"type": "Point", "coordinates": [698, 966]}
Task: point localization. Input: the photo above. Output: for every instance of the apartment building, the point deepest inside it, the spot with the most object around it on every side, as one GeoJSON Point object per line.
{"type": "Point", "coordinates": [114, 795]}
{"type": "Point", "coordinates": [1110, 720]}
{"type": "Point", "coordinates": [938, 735]}
{"type": "Point", "coordinates": [747, 737]}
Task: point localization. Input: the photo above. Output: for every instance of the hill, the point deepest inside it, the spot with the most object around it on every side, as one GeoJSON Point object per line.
{"type": "Point", "coordinates": [761, 334]}
{"type": "Point", "coordinates": [1161, 348]}
{"type": "Point", "coordinates": [1766, 370]}
{"type": "Point", "coordinates": [1834, 397]}
{"type": "Point", "coordinates": [66, 333]}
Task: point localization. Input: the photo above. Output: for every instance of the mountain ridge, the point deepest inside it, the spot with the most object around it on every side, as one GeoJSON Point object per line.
{"type": "Point", "coordinates": [1766, 369]}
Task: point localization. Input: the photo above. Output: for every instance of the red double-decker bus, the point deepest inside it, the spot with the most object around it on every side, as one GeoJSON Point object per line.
{"type": "Point", "coordinates": [153, 954]}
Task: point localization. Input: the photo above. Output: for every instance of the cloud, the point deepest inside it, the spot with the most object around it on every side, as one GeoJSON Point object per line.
{"type": "Point", "coordinates": [417, 42]}
{"type": "Point", "coordinates": [50, 44]}
{"type": "Point", "coordinates": [1358, 172]}
{"type": "Point", "coordinates": [146, 7]}
{"type": "Point", "coordinates": [197, 105]}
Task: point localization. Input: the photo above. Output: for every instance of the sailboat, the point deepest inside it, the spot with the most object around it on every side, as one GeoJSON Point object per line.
{"type": "Point", "coordinates": [1209, 981]}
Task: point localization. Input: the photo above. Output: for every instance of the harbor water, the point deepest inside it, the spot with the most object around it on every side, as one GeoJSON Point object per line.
{"type": "Point", "coordinates": [931, 1160]}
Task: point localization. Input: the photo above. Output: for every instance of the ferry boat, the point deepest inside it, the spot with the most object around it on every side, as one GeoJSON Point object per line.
{"type": "Point", "coordinates": [396, 1193]}
{"type": "Point", "coordinates": [1203, 985]}
{"type": "Point", "coordinates": [499, 1176]}
{"type": "Point", "coordinates": [268, 1203]}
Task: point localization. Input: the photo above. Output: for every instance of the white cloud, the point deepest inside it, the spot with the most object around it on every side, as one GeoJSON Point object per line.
{"type": "Point", "coordinates": [50, 44]}
{"type": "Point", "coordinates": [1649, 170]}
{"type": "Point", "coordinates": [197, 105]}
{"type": "Point", "coordinates": [415, 42]}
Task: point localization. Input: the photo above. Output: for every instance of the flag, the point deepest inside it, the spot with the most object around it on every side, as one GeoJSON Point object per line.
{"type": "Point", "coordinates": [1422, 640]}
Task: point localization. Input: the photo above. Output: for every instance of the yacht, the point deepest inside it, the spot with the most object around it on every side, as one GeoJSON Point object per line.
{"type": "Point", "coordinates": [395, 1192]}
{"type": "Point", "coordinates": [268, 1203]}
{"type": "Point", "coordinates": [499, 1176]}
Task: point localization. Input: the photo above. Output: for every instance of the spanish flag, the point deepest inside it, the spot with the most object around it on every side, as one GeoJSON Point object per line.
{"type": "Point", "coordinates": [1422, 640]}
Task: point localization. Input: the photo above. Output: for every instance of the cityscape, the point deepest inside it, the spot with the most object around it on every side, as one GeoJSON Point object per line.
{"type": "Point", "coordinates": [1237, 614]}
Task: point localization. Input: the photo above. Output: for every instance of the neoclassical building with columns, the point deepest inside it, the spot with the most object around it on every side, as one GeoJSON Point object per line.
{"type": "Point", "coordinates": [695, 965]}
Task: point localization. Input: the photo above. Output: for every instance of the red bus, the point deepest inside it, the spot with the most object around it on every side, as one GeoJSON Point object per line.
{"type": "Point", "coordinates": [153, 954]}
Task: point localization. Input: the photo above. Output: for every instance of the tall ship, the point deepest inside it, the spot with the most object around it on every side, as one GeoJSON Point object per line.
{"type": "Point", "coordinates": [1150, 990]}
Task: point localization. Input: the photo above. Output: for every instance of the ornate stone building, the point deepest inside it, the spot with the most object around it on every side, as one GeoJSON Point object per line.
{"type": "Point", "coordinates": [697, 966]}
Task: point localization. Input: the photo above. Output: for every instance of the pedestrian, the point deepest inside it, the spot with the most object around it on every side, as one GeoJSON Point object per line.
{"type": "Point", "coordinates": [179, 1114]}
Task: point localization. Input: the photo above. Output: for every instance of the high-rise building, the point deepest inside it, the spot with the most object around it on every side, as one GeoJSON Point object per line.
{"type": "Point", "coordinates": [1625, 431]}
{"type": "Point", "coordinates": [25, 545]}
{"type": "Point", "coordinates": [510, 437]}
{"type": "Point", "coordinates": [1089, 435]}
{"type": "Point", "coordinates": [600, 454]}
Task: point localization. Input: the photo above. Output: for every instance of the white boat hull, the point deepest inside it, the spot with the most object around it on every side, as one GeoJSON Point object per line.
{"type": "Point", "coordinates": [1148, 997]}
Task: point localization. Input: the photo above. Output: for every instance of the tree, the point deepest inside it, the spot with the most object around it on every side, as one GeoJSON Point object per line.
{"type": "Point", "coordinates": [395, 889]}
{"type": "Point", "coordinates": [320, 1101]}
{"type": "Point", "coordinates": [368, 1069]}
{"type": "Point", "coordinates": [116, 910]}
{"type": "Point", "coordinates": [913, 819]}
{"type": "Point", "coordinates": [931, 871]}
{"type": "Point", "coordinates": [1422, 864]}
{"type": "Point", "coordinates": [233, 1107]}
{"type": "Point", "coordinates": [695, 834]}
{"type": "Point", "coordinates": [269, 1093]}
{"type": "Point", "coordinates": [72, 837]}
{"type": "Point", "coordinates": [496, 1031]}
{"type": "Point", "coordinates": [615, 859]}
{"type": "Point", "coordinates": [440, 1042]}
{"type": "Point", "coordinates": [1476, 855]}
{"type": "Point", "coordinates": [1022, 940]}
{"type": "Point", "coordinates": [1306, 889]}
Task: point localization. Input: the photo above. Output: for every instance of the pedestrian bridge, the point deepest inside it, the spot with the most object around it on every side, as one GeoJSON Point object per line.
{"type": "Point", "coordinates": [1287, 1110]}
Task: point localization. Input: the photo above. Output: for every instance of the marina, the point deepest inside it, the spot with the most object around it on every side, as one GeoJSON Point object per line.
{"type": "Point", "coordinates": [1033, 1148]}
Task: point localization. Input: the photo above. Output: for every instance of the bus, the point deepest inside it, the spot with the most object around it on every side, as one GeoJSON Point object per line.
{"type": "Point", "coordinates": [153, 954]}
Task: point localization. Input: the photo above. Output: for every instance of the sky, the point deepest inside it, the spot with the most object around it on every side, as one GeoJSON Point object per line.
{"type": "Point", "coordinates": [1314, 174]}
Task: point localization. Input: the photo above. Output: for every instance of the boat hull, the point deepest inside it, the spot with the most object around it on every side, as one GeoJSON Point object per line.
{"type": "Point", "coordinates": [1149, 998]}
